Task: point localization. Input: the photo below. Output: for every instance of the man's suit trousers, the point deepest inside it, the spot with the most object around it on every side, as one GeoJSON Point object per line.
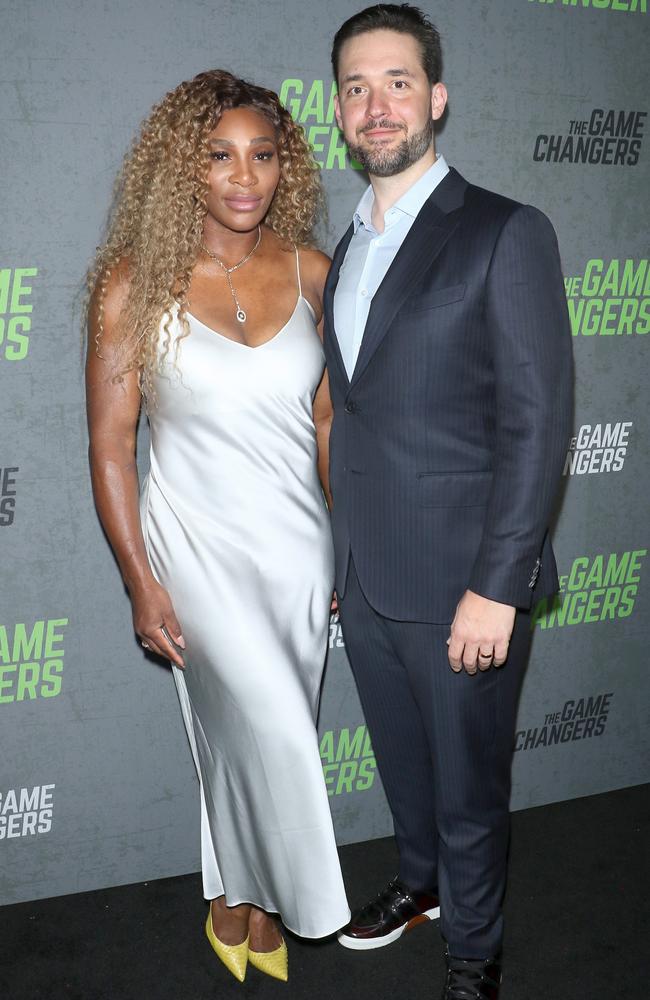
{"type": "Point", "coordinates": [443, 743]}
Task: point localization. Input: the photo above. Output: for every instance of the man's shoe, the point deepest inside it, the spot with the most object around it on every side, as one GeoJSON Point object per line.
{"type": "Point", "coordinates": [383, 920]}
{"type": "Point", "coordinates": [472, 978]}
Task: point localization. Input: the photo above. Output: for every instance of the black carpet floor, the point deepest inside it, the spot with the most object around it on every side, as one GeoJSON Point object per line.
{"type": "Point", "coordinates": [577, 912]}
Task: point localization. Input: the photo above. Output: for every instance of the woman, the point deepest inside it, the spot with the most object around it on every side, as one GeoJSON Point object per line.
{"type": "Point", "coordinates": [204, 301]}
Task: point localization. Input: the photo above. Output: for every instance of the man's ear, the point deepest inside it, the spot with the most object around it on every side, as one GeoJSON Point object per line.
{"type": "Point", "coordinates": [438, 100]}
{"type": "Point", "coordinates": [337, 111]}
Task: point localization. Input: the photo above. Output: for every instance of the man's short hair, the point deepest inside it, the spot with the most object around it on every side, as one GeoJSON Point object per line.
{"type": "Point", "coordinates": [404, 18]}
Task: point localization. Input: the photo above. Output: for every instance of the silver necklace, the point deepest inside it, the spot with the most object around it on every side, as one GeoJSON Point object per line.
{"type": "Point", "coordinates": [240, 314]}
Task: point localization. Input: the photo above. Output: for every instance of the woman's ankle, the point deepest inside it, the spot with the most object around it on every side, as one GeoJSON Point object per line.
{"type": "Point", "coordinates": [264, 930]}
{"type": "Point", "coordinates": [230, 923]}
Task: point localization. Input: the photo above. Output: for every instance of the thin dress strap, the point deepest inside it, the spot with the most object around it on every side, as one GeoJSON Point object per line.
{"type": "Point", "coordinates": [298, 270]}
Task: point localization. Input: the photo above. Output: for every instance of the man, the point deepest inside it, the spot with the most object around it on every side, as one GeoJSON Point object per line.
{"type": "Point", "coordinates": [449, 356]}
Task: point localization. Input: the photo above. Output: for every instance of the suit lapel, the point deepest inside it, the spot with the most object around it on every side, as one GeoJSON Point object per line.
{"type": "Point", "coordinates": [331, 340]}
{"type": "Point", "coordinates": [427, 236]}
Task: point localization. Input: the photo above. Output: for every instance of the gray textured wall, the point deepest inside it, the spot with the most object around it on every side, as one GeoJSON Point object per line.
{"type": "Point", "coordinates": [96, 779]}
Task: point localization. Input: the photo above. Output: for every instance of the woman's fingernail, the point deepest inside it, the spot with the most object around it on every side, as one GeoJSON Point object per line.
{"type": "Point", "coordinates": [181, 642]}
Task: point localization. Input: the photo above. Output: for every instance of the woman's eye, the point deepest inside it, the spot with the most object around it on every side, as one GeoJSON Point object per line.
{"type": "Point", "coordinates": [266, 154]}
{"type": "Point", "coordinates": [218, 155]}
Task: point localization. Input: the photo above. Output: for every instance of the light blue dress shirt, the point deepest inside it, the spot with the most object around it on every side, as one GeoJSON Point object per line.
{"type": "Point", "coordinates": [370, 254]}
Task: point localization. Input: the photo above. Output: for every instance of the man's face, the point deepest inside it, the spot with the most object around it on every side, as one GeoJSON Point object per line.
{"type": "Point", "coordinates": [385, 105]}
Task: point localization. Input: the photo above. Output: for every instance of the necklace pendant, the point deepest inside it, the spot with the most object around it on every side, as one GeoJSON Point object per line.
{"type": "Point", "coordinates": [241, 316]}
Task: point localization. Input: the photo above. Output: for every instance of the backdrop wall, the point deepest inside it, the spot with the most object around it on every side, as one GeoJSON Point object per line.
{"type": "Point", "coordinates": [548, 104]}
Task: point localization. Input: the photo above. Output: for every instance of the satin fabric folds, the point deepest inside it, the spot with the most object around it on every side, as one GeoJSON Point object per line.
{"type": "Point", "coordinates": [237, 531]}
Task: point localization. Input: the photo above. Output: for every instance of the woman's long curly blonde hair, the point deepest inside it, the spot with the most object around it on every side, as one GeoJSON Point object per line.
{"type": "Point", "coordinates": [156, 222]}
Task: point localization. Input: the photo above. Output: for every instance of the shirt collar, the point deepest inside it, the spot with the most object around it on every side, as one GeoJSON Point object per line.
{"type": "Point", "coordinates": [411, 201]}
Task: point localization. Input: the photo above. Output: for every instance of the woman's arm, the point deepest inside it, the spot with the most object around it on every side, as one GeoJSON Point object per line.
{"type": "Point", "coordinates": [113, 408]}
{"type": "Point", "coordinates": [315, 266]}
{"type": "Point", "coordinates": [322, 411]}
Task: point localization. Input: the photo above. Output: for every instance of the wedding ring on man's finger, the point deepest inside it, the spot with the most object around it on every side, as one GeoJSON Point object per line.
{"type": "Point", "coordinates": [484, 656]}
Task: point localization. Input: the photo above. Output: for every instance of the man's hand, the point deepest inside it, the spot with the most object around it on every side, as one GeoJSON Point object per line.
{"type": "Point", "coordinates": [480, 633]}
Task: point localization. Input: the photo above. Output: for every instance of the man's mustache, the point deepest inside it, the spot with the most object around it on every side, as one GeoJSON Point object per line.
{"type": "Point", "coordinates": [375, 123]}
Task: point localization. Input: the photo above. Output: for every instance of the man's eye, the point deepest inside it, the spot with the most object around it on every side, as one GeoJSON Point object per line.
{"type": "Point", "coordinates": [400, 84]}
{"type": "Point", "coordinates": [354, 90]}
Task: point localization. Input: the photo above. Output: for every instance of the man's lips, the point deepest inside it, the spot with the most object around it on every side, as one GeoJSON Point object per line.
{"type": "Point", "coordinates": [380, 133]}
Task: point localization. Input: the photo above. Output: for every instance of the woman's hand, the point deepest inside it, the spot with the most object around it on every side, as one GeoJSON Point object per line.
{"type": "Point", "coordinates": [156, 623]}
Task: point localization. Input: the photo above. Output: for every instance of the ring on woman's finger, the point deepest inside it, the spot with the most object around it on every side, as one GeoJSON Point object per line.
{"type": "Point", "coordinates": [145, 645]}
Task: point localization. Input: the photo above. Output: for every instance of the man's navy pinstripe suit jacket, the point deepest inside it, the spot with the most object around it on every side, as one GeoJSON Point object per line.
{"type": "Point", "coordinates": [447, 444]}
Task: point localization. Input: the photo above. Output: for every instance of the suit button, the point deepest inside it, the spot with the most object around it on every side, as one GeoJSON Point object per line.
{"type": "Point", "coordinates": [350, 407]}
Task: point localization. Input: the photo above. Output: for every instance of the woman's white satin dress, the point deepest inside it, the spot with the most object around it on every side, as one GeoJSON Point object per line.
{"type": "Point", "coordinates": [237, 531]}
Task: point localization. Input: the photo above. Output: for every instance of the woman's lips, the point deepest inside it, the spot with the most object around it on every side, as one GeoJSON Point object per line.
{"type": "Point", "coordinates": [243, 204]}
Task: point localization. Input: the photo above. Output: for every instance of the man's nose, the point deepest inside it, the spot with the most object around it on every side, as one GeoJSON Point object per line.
{"type": "Point", "coordinates": [378, 104]}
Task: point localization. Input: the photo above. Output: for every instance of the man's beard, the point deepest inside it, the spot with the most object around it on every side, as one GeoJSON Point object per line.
{"type": "Point", "coordinates": [384, 162]}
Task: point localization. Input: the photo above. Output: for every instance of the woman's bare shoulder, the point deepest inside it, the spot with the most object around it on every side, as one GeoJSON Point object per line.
{"type": "Point", "coordinates": [109, 296]}
{"type": "Point", "coordinates": [314, 262]}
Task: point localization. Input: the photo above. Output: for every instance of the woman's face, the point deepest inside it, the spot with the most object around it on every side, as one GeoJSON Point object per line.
{"type": "Point", "coordinates": [244, 170]}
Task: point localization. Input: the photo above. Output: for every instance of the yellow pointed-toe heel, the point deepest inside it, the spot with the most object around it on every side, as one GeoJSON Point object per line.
{"type": "Point", "coordinates": [273, 963]}
{"type": "Point", "coordinates": [233, 956]}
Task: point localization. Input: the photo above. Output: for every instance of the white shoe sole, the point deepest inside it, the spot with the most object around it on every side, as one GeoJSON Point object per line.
{"type": "Point", "coordinates": [367, 944]}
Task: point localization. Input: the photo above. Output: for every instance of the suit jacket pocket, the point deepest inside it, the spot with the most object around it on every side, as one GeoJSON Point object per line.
{"type": "Point", "coordinates": [433, 299]}
{"type": "Point", "coordinates": [454, 489]}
